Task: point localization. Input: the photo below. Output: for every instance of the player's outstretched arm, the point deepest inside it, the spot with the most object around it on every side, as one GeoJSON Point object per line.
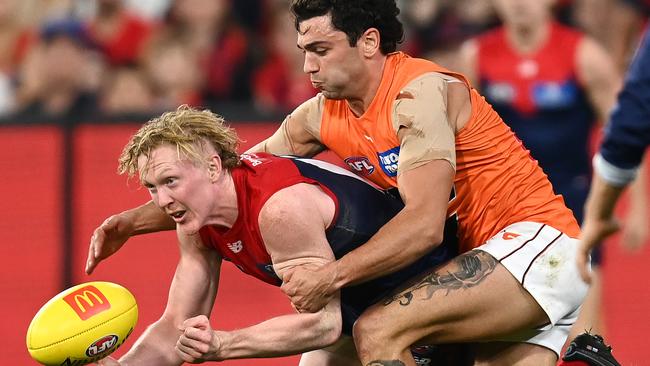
{"type": "Point", "coordinates": [298, 134]}
{"type": "Point", "coordinates": [109, 237]}
{"type": "Point", "coordinates": [279, 336]}
{"type": "Point", "coordinates": [192, 293]}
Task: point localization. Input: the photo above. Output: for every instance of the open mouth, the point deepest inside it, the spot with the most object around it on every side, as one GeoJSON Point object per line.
{"type": "Point", "coordinates": [177, 215]}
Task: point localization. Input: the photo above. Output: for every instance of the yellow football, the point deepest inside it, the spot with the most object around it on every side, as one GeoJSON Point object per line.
{"type": "Point", "coordinates": [82, 324]}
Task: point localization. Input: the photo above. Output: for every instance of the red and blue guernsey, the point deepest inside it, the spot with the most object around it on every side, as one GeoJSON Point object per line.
{"type": "Point", "coordinates": [540, 96]}
{"type": "Point", "coordinates": [361, 210]}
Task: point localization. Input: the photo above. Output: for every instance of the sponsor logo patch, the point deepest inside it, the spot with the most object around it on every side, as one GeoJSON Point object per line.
{"type": "Point", "coordinates": [253, 159]}
{"type": "Point", "coordinates": [509, 236]}
{"type": "Point", "coordinates": [360, 164]}
{"type": "Point", "coordinates": [388, 161]}
{"type": "Point", "coordinates": [554, 94]}
{"type": "Point", "coordinates": [102, 345]}
{"type": "Point", "coordinates": [236, 247]}
{"type": "Point", "coordinates": [87, 301]}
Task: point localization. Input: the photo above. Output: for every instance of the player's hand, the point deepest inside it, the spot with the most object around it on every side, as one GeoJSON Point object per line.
{"type": "Point", "coordinates": [198, 343]}
{"type": "Point", "coordinates": [107, 239]}
{"type": "Point", "coordinates": [109, 361]}
{"type": "Point", "coordinates": [310, 290]}
{"type": "Point", "coordinates": [594, 231]}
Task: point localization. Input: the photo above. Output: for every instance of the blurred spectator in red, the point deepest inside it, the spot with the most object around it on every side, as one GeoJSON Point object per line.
{"type": "Point", "coordinates": [280, 84]}
{"type": "Point", "coordinates": [436, 28]}
{"type": "Point", "coordinates": [118, 33]}
{"type": "Point", "coordinates": [127, 94]}
{"type": "Point", "coordinates": [59, 78]}
{"type": "Point", "coordinates": [172, 66]}
{"type": "Point", "coordinates": [220, 44]}
{"type": "Point", "coordinates": [15, 40]}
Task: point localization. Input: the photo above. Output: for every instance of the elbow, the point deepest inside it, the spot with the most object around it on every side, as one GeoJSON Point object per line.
{"type": "Point", "coordinates": [330, 330]}
{"type": "Point", "coordinates": [431, 237]}
{"type": "Point", "coordinates": [330, 336]}
{"type": "Point", "coordinates": [426, 227]}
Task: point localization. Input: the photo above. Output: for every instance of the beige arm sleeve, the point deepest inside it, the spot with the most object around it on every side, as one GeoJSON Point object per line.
{"type": "Point", "coordinates": [299, 133]}
{"type": "Point", "coordinates": [421, 122]}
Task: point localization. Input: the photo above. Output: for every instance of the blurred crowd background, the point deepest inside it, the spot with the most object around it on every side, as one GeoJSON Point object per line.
{"type": "Point", "coordinates": [69, 61]}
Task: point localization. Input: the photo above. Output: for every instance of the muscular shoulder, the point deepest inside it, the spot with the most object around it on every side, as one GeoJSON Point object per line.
{"type": "Point", "coordinates": [431, 93]}
{"type": "Point", "coordinates": [309, 115]}
{"type": "Point", "coordinates": [293, 222]}
{"type": "Point", "coordinates": [290, 204]}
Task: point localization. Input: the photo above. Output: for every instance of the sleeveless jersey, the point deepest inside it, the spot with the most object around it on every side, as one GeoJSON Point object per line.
{"type": "Point", "coordinates": [361, 210]}
{"type": "Point", "coordinates": [541, 98]}
{"type": "Point", "coordinates": [496, 182]}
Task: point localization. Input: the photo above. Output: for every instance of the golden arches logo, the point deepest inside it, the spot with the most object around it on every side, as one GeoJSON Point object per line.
{"type": "Point", "coordinates": [87, 301]}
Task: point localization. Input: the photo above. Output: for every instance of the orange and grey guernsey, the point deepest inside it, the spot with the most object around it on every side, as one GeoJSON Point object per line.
{"type": "Point", "coordinates": [497, 183]}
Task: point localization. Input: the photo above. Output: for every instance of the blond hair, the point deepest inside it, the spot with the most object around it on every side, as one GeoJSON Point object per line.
{"type": "Point", "coordinates": [189, 130]}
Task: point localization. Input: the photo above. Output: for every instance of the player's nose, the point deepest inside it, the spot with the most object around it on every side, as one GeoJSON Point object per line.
{"type": "Point", "coordinates": [310, 66]}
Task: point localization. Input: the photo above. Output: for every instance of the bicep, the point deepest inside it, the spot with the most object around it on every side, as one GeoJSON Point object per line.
{"type": "Point", "coordinates": [194, 286]}
{"type": "Point", "coordinates": [428, 187]}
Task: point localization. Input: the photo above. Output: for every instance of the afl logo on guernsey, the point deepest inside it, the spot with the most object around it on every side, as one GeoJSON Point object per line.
{"type": "Point", "coordinates": [360, 164]}
{"type": "Point", "coordinates": [388, 161]}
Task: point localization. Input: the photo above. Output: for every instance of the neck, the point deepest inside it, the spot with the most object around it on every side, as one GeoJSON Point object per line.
{"type": "Point", "coordinates": [369, 83]}
{"type": "Point", "coordinates": [225, 211]}
{"type": "Point", "coordinates": [529, 38]}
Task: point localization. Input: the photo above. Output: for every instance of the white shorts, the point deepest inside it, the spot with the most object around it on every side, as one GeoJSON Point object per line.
{"type": "Point", "coordinates": [543, 260]}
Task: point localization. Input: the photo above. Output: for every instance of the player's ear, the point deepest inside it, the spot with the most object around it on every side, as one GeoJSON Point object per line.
{"type": "Point", "coordinates": [369, 42]}
{"type": "Point", "coordinates": [214, 167]}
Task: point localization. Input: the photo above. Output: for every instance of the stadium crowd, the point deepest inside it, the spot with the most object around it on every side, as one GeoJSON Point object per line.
{"type": "Point", "coordinates": [66, 61]}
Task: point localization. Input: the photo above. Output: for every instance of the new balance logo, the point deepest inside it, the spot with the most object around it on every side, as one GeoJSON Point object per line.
{"type": "Point", "coordinates": [236, 247]}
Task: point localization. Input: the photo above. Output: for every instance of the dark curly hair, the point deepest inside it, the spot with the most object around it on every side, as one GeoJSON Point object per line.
{"type": "Point", "coordinates": [353, 17]}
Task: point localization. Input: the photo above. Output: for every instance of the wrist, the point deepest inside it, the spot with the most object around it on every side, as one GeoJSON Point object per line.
{"type": "Point", "coordinates": [222, 345]}
{"type": "Point", "coordinates": [127, 221]}
{"type": "Point", "coordinates": [339, 278]}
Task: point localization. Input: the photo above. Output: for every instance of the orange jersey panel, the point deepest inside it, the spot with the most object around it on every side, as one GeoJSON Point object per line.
{"type": "Point", "coordinates": [497, 183]}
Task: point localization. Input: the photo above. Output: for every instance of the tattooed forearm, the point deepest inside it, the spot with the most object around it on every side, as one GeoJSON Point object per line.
{"type": "Point", "coordinates": [472, 268]}
{"type": "Point", "coordinates": [385, 363]}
